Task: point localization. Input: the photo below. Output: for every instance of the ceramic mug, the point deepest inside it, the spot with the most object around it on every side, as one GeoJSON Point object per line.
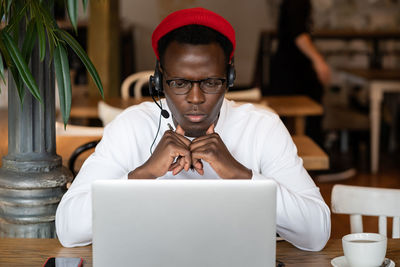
{"type": "Point", "coordinates": [364, 249]}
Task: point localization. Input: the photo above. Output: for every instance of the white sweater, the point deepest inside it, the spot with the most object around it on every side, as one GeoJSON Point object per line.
{"type": "Point", "coordinates": [255, 137]}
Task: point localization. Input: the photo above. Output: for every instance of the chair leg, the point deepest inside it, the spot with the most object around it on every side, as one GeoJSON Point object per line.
{"type": "Point", "coordinates": [383, 225]}
{"type": "Point", "coordinates": [396, 227]}
{"type": "Point", "coordinates": [356, 223]}
{"type": "Point", "coordinates": [344, 141]}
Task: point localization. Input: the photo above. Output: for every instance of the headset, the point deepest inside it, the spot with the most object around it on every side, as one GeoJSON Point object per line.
{"type": "Point", "coordinates": [156, 84]}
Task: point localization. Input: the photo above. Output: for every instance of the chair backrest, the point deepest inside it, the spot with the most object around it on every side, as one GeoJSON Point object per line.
{"type": "Point", "coordinates": [107, 113]}
{"type": "Point", "coordinates": [141, 78]}
{"type": "Point", "coordinates": [253, 94]}
{"type": "Point", "coordinates": [370, 201]}
{"type": "Point", "coordinates": [75, 130]}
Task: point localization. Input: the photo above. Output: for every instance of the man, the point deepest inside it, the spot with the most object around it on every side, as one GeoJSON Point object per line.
{"type": "Point", "coordinates": [213, 138]}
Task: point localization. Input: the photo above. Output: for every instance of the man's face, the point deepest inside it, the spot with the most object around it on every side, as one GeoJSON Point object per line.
{"type": "Point", "coordinates": [196, 110]}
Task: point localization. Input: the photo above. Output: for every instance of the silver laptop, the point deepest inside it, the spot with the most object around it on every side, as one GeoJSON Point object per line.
{"type": "Point", "coordinates": [184, 223]}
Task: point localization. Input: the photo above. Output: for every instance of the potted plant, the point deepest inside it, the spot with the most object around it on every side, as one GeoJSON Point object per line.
{"type": "Point", "coordinates": [33, 48]}
{"type": "Point", "coordinates": [40, 26]}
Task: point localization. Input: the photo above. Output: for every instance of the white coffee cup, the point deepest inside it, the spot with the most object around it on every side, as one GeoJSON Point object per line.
{"type": "Point", "coordinates": [364, 249]}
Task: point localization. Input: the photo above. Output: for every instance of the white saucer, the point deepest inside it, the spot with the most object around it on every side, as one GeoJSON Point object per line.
{"type": "Point", "coordinates": [341, 262]}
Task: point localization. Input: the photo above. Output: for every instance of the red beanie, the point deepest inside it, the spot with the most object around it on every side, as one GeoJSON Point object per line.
{"type": "Point", "coordinates": [199, 16]}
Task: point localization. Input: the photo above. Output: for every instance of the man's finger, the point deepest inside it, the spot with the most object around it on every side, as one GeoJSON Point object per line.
{"type": "Point", "coordinates": [183, 140]}
{"type": "Point", "coordinates": [179, 130]}
{"type": "Point", "coordinates": [177, 170]}
{"type": "Point", "coordinates": [198, 166]}
{"type": "Point", "coordinates": [210, 129]}
{"type": "Point", "coordinates": [173, 166]}
{"type": "Point", "coordinates": [178, 137]}
{"type": "Point", "coordinates": [200, 171]}
{"type": "Point", "coordinates": [184, 162]}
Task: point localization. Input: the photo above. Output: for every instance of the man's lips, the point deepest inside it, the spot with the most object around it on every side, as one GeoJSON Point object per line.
{"type": "Point", "coordinates": [195, 117]}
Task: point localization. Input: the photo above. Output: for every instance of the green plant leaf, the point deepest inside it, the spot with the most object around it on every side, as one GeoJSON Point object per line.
{"type": "Point", "coordinates": [63, 81]}
{"type": "Point", "coordinates": [18, 10]}
{"type": "Point", "coordinates": [18, 84]}
{"type": "Point", "coordinates": [21, 66]}
{"type": "Point", "coordinates": [9, 2]}
{"type": "Point", "coordinates": [42, 39]}
{"type": "Point", "coordinates": [84, 3]}
{"type": "Point", "coordinates": [2, 12]}
{"type": "Point", "coordinates": [83, 57]}
{"type": "Point", "coordinates": [6, 8]}
{"type": "Point", "coordinates": [72, 6]}
{"type": "Point", "coordinates": [29, 41]}
{"type": "Point", "coordinates": [14, 71]}
{"type": "Point", "coordinates": [50, 25]}
{"type": "Point", "coordinates": [2, 69]}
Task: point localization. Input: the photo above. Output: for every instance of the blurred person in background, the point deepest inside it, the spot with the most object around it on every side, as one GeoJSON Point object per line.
{"type": "Point", "coordinates": [298, 68]}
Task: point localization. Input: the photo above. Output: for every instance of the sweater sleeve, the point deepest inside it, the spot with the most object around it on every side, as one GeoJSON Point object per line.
{"type": "Point", "coordinates": [303, 218]}
{"type": "Point", "coordinates": [109, 161]}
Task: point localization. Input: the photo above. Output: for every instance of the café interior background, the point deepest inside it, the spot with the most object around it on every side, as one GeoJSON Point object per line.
{"type": "Point", "coordinates": [250, 17]}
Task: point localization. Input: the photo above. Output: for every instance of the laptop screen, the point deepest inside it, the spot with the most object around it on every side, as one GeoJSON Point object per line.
{"type": "Point", "coordinates": [184, 223]}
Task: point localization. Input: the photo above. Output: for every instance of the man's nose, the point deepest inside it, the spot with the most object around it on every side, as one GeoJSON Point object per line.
{"type": "Point", "coordinates": [195, 95]}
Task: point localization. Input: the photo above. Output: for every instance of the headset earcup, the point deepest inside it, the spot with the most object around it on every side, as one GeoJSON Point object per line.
{"type": "Point", "coordinates": [151, 85]}
{"type": "Point", "coordinates": [231, 75]}
{"type": "Point", "coordinates": [158, 81]}
{"type": "Point", "coordinates": [155, 82]}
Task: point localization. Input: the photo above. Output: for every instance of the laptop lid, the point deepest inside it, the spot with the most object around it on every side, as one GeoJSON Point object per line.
{"type": "Point", "coordinates": [181, 223]}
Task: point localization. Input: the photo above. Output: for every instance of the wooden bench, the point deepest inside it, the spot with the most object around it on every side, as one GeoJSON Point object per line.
{"type": "Point", "coordinates": [314, 158]}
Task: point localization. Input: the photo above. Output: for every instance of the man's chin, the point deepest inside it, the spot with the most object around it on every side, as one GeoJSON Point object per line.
{"type": "Point", "coordinates": [195, 132]}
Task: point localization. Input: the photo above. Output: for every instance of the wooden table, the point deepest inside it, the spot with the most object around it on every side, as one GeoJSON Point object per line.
{"type": "Point", "coordinates": [34, 252]}
{"type": "Point", "coordinates": [296, 106]}
{"type": "Point", "coordinates": [379, 82]}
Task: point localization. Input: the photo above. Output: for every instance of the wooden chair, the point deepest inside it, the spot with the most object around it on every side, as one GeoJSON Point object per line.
{"type": "Point", "coordinates": [369, 201]}
{"type": "Point", "coordinates": [74, 141]}
{"type": "Point", "coordinates": [140, 78]}
{"type": "Point", "coordinates": [107, 112]}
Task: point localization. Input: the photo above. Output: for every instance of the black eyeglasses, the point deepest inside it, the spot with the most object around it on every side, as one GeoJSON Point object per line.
{"type": "Point", "coordinates": [208, 85]}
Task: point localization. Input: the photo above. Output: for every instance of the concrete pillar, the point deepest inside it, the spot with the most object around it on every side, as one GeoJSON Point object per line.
{"type": "Point", "coordinates": [32, 178]}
